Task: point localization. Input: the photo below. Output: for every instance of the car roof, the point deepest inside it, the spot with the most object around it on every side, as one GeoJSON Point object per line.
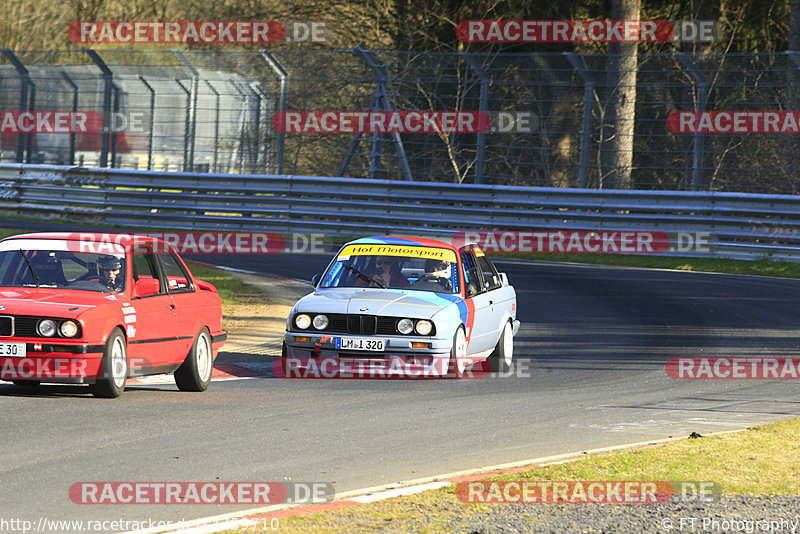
{"type": "Point", "coordinates": [403, 240]}
{"type": "Point", "coordinates": [114, 237]}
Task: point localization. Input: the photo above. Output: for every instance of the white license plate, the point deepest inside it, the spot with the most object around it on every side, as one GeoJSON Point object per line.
{"type": "Point", "coordinates": [360, 343]}
{"type": "Point", "coordinates": [12, 349]}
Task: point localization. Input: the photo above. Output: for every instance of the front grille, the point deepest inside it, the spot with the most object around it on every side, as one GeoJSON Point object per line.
{"type": "Point", "coordinates": [25, 326]}
{"type": "Point", "coordinates": [6, 325]}
{"type": "Point", "coordinates": [341, 323]}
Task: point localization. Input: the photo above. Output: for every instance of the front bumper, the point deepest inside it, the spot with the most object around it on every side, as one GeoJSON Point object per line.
{"type": "Point", "coordinates": [319, 357]}
{"type": "Point", "coordinates": [76, 363]}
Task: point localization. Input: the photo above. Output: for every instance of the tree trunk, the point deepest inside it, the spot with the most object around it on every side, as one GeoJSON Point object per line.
{"type": "Point", "coordinates": [617, 140]}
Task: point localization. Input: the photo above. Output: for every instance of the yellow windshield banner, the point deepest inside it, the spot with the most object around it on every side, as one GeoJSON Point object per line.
{"type": "Point", "coordinates": [399, 250]}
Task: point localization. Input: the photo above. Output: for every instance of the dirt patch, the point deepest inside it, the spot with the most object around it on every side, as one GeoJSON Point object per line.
{"type": "Point", "coordinates": [256, 325]}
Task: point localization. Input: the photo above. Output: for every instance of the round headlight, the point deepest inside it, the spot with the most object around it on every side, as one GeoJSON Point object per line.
{"type": "Point", "coordinates": [405, 326]}
{"type": "Point", "coordinates": [320, 322]}
{"type": "Point", "coordinates": [424, 327]}
{"type": "Point", "coordinates": [69, 328]}
{"type": "Point", "coordinates": [46, 327]}
{"type": "Point", "coordinates": [302, 321]}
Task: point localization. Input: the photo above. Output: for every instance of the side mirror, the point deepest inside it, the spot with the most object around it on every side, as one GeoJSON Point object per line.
{"type": "Point", "coordinates": [503, 278]}
{"type": "Point", "coordinates": [472, 289]}
{"type": "Point", "coordinates": [144, 287]}
{"type": "Point", "coordinates": [315, 280]}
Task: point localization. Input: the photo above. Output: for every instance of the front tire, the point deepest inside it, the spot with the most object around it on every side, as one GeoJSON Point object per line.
{"type": "Point", "coordinates": [113, 368]}
{"type": "Point", "coordinates": [500, 360]}
{"type": "Point", "coordinates": [195, 372]}
{"type": "Point", "coordinates": [458, 354]}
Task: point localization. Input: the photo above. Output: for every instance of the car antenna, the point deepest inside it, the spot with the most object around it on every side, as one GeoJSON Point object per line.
{"type": "Point", "coordinates": [33, 272]}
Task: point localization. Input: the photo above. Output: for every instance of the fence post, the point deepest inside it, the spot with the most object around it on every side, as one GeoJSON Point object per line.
{"type": "Point", "coordinates": [700, 105]}
{"type": "Point", "coordinates": [381, 78]}
{"type": "Point", "coordinates": [187, 121]}
{"type": "Point", "coordinates": [74, 109]}
{"type": "Point", "coordinates": [24, 84]}
{"type": "Point", "coordinates": [586, 123]}
{"type": "Point", "coordinates": [192, 111]}
{"type": "Point", "coordinates": [152, 122]}
{"type": "Point", "coordinates": [483, 105]}
{"type": "Point", "coordinates": [216, 124]}
{"type": "Point", "coordinates": [283, 98]}
{"type": "Point", "coordinates": [108, 87]}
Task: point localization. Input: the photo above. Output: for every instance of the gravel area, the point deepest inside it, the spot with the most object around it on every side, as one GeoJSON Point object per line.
{"type": "Point", "coordinates": [732, 514]}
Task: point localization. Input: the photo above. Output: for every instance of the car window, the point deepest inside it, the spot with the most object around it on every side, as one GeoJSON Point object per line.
{"type": "Point", "coordinates": [178, 280]}
{"type": "Point", "coordinates": [470, 271]}
{"type": "Point", "coordinates": [491, 280]}
{"type": "Point", "coordinates": [50, 263]}
{"type": "Point", "coordinates": [144, 267]}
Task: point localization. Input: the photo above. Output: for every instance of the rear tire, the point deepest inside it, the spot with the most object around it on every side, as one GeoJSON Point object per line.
{"type": "Point", "coordinates": [195, 372]}
{"type": "Point", "coordinates": [113, 368]}
{"type": "Point", "coordinates": [500, 360]}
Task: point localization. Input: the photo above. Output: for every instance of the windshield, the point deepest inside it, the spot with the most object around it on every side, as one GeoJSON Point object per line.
{"type": "Point", "coordinates": [52, 264]}
{"type": "Point", "coordinates": [394, 267]}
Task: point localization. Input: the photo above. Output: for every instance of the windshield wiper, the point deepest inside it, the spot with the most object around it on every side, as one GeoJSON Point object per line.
{"type": "Point", "coordinates": [33, 272]}
{"type": "Point", "coordinates": [365, 277]}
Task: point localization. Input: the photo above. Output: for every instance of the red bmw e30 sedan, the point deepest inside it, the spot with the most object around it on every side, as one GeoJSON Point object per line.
{"type": "Point", "coordinates": [93, 308]}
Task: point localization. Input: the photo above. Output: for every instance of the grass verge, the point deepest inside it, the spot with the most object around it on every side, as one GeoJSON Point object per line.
{"type": "Point", "coordinates": [758, 461]}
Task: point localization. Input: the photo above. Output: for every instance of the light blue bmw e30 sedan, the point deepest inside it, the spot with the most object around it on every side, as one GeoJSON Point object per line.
{"type": "Point", "coordinates": [402, 307]}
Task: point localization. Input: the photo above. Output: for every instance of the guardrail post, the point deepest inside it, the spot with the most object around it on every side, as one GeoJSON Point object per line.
{"type": "Point", "coordinates": [152, 122]}
{"type": "Point", "coordinates": [283, 98]}
{"type": "Point", "coordinates": [24, 84]}
{"type": "Point", "coordinates": [74, 109]}
{"type": "Point", "coordinates": [108, 87]}
{"type": "Point", "coordinates": [483, 105]}
{"type": "Point", "coordinates": [700, 105]}
{"type": "Point", "coordinates": [192, 111]}
{"type": "Point", "coordinates": [586, 122]}
{"type": "Point", "coordinates": [381, 79]}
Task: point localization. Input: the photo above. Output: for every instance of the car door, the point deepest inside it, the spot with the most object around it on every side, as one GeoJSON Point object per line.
{"type": "Point", "coordinates": [499, 296]}
{"type": "Point", "coordinates": [480, 330]}
{"type": "Point", "coordinates": [150, 318]}
{"type": "Point", "coordinates": [181, 289]}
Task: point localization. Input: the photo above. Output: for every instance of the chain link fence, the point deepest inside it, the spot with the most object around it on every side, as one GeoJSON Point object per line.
{"type": "Point", "coordinates": [213, 110]}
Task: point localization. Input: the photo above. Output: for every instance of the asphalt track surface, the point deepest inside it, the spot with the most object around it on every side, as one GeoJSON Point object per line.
{"type": "Point", "coordinates": [591, 357]}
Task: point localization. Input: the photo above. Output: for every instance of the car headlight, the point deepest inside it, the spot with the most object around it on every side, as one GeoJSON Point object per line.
{"type": "Point", "coordinates": [320, 322]}
{"type": "Point", "coordinates": [405, 326]}
{"type": "Point", "coordinates": [424, 327]}
{"type": "Point", "coordinates": [46, 327]}
{"type": "Point", "coordinates": [69, 329]}
{"type": "Point", "coordinates": [302, 321]}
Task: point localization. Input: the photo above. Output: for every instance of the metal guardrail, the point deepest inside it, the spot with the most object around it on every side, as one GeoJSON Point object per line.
{"type": "Point", "coordinates": [742, 225]}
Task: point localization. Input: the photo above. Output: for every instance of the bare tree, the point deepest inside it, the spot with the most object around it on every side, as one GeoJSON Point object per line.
{"type": "Point", "coordinates": [617, 139]}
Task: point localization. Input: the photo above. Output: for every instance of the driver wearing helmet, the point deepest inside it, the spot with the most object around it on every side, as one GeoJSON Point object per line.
{"type": "Point", "coordinates": [437, 271]}
{"type": "Point", "coordinates": [109, 268]}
